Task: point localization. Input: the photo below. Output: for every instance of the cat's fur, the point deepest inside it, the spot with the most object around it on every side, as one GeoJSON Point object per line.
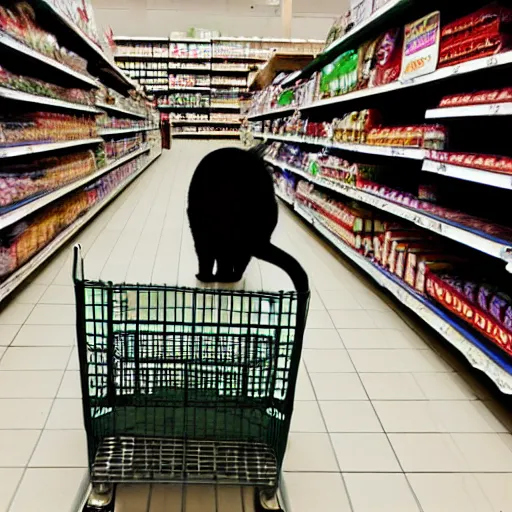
{"type": "Point", "coordinates": [233, 212]}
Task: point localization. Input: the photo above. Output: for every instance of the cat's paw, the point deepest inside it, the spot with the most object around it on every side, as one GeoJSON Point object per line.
{"type": "Point", "coordinates": [228, 278]}
{"type": "Point", "coordinates": [206, 278]}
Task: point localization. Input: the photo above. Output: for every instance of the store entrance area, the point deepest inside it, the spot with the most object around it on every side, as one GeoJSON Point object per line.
{"type": "Point", "coordinates": [386, 419]}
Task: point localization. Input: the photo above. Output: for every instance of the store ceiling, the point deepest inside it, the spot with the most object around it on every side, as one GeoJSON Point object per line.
{"type": "Point", "coordinates": [243, 7]}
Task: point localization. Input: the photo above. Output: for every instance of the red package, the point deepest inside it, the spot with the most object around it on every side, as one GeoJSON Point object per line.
{"type": "Point", "coordinates": [388, 58]}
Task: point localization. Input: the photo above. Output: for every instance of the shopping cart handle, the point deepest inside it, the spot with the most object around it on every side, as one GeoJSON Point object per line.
{"type": "Point", "coordinates": [78, 263]}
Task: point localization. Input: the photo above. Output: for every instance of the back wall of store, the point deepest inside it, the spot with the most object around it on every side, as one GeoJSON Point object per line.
{"type": "Point", "coordinates": [311, 18]}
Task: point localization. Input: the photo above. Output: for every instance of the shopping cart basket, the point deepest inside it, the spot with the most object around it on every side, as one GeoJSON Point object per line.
{"type": "Point", "coordinates": [187, 385]}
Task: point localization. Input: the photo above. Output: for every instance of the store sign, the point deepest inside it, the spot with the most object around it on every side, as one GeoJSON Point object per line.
{"type": "Point", "coordinates": [421, 46]}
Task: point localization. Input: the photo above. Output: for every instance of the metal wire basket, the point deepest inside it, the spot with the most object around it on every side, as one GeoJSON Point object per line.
{"type": "Point", "coordinates": [187, 385]}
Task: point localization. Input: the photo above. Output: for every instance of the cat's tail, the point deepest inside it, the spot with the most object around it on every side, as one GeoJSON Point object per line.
{"type": "Point", "coordinates": [286, 262]}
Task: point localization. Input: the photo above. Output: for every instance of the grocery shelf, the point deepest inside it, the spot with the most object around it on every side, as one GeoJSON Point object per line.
{"type": "Point", "coordinates": [493, 109]}
{"type": "Point", "coordinates": [206, 134]}
{"type": "Point", "coordinates": [9, 42]}
{"type": "Point", "coordinates": [500, 60]}
{"type": "Point", "coordinates": [91, 46]}
{"type": "Point", "coordinates": [26, 209]}
{"type": "Point", "coordinates": [220, 68]}
{"type": "Point", "coordinates": [199, 121]}
{"type": "Point", "coordinates": [16, 278]}
{"type": "Point", "coordinates": [191, 88]}
{"type": "Point", "coordinates": [113, 108]}
{"type": "Point", "coordinates": [397, 152]}
{"type": "Point", "coordinates": [116, 131]}
{"type": "Point", "coordinates": [284, 198]}
{"type": "Point", "coordinates": [11, 94]}
{"type": "Point", "coordinates": [181, 107]}
{"type": "Point", "coordinates": [496, 61]}
{"type": "Point", "coordinates": [141, 57]}
{"type": "Point", "coordinates": [175, 69]}
{"type": "Point", "coordinates": [497, 368]}
{"type": "Point", "coordinates": [275, 112]}
{"type": "Point", "coordinates": [43, 147]}
{"type": "Point", "coordinates": [386, 12]}
{"type": "Point", "coordinates": [480, 241]}
{"type": "Point", "coordinates": [141, 39]}
{"type": "Point", "coordinates": [493, 179]}
{"type": "Point", "coordinates": [225, 107]}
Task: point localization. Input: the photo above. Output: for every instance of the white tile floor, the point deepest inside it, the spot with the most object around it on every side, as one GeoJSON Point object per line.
{"type": "Point", "coordinates": [382, 422]}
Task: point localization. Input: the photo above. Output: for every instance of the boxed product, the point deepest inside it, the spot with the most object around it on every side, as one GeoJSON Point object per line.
{"type": "Point", "coordinates": [481, 305]}
{"type": "Point", "coordinates": [480, 34]}
{"type": "Point", "coordinates": [340, 76]}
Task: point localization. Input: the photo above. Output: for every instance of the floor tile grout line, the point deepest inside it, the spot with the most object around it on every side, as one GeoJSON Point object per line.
{"type": "Point", "coordinates": [416, 498]}
{"type": "Point", "coordinates": [164, 223]}
{"type": "Point", "coordinates": [331, 444]}
{"type": "Point", "coordinates": [147, 219]}
{"type": "Point", "coordinates": [40, 435]}
{"type": "Point", "coordinates": [150, 177]}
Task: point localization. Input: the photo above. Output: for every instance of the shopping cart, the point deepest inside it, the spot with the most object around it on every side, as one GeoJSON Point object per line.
{"type": "Point", "coordinates": [181, 385]}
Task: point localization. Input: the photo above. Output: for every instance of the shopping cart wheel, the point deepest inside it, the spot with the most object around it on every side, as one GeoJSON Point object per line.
{"type": "Point", "coordinates": [268, 501]}
{"type": "Point", "coordinates": [101, 499]}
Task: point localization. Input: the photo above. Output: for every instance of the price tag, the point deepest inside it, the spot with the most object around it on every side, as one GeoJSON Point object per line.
{"type": "Point", "coordinates": [494, 110]}
{"type": "Point", "coordinates": [432, 225]}
{"type": "Point", "coordinates": [456, 69]}
{"type": "Point", "coordinates": [397, 152]}
{"type": "Point", "coordinates": [492, 61]}
{"type": "Point", "coordinates": [441, 168]}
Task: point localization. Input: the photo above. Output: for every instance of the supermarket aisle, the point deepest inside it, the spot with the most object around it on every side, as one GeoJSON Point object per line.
{"type": "Point", "coordinates": [382, 422]}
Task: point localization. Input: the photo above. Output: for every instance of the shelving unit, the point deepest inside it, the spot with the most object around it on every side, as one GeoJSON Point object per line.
{"type": "Point", "coordinates": [470, 346]}
{"type": "Point", "coordinates": [405, 103]}
{"type": "Point", "coordinates": [70, 185]}
{"type": "Point", "coordinates": [246, 52]}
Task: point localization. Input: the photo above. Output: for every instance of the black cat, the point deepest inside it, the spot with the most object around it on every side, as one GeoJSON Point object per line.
{"type": "Point", "coordinates": [233, 212]}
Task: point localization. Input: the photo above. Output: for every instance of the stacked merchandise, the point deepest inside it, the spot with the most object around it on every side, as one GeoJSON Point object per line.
{"type": "Point", "coordinates": [27, 127]}
{"type": "Point", "coordinates": [197, 63]}
{"type": "Point", "coordinates": [21, 181]}
{"type": "Point", "coordinates": [31, 85]}
{"type": "Point", "coordinates": [56, 170]}
{"type": "Point", "coordinates": [19, 22]}
{"type": "Point", "coordinates": [396, 55]}
{"type": "Point", "coordinates": [177, 81]}
{"type": "Point", "coordinates": [401, 161]}
{"type": "Point", "coordinates": [23, 240]}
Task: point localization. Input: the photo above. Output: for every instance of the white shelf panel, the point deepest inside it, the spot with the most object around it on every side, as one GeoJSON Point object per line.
{"type": "Point", "coordinates": [495, 109]}
{"type": "Point", "coordinates": [13, 216]}
{"type": "Point", "coordinates": [115, 131]}
{"type": "Point", "coordinates": [475, 356]}
{"type": "Point", "coordinates": [225, 107]}
{"type": "Point", "coordinates": [205, 122]}
{"type": "Point", "coordinates": [15, 279]}
{"type": "Point", "coordinates": [493, 179]}
{"type": "Point", "coordinates": [11, 94]}
{"type": "Point", "coordinates": [275, 112]}
{"type": "Point", "coordinates": [206, 134]}
{"type": "Point", "coordinates": [396, 152]}
{"type": "Point", "coordinates": [113, 108]}
{"type": "Point", "coordinates": [12, 43]}
{"type": "Point", "coordinates": [32, 149]}
{"type": "Point", "coordinates": [502, 251]}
